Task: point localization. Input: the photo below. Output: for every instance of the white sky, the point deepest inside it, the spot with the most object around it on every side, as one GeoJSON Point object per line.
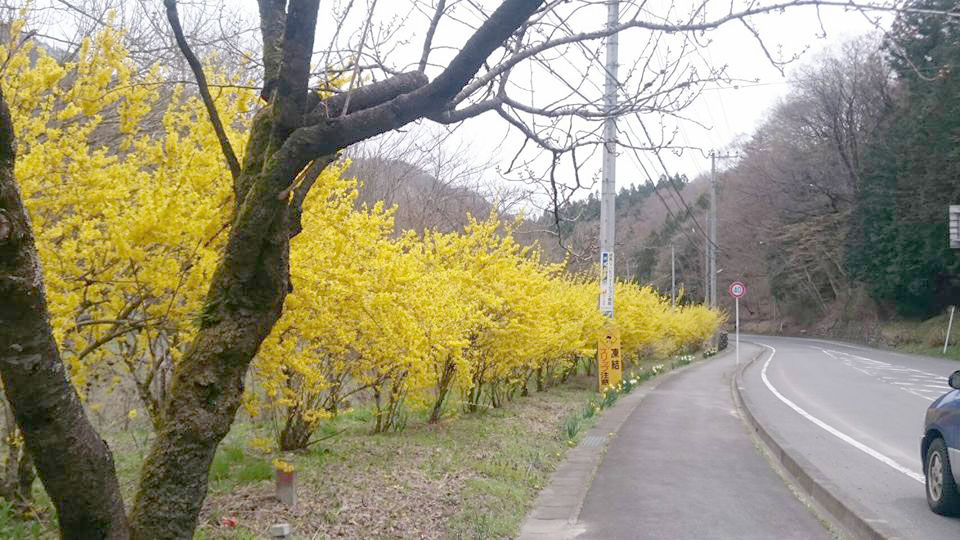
{"type": "Point", "coordinates": [732, 113]}
{"type": "Point", "coordinates": [725, 113]}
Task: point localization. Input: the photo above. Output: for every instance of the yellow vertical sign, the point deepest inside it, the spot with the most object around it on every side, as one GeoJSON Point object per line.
{"type": "Point", "coordinates": [609, 360]}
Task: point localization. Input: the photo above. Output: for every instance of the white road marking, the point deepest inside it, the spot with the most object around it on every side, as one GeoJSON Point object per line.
{"type": "Point", "coordinates": [918, 383]}
{"type": "Point", "coordinates": [837, 343]}
{"type": "Point", "coordinates": [832, 430]}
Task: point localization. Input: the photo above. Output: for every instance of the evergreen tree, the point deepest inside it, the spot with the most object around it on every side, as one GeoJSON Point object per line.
{"type": "Point", "coordinates": [899, 246]}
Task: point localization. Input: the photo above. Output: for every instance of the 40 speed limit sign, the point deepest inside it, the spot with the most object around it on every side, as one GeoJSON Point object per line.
{"type": "Point", "coordinates": [737, 289]}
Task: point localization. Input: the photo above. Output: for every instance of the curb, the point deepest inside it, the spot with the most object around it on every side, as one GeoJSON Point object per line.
{"type": "Point", "coordinates": [849, 514]}
{"type": "Point", "coordinates": [557, 508]}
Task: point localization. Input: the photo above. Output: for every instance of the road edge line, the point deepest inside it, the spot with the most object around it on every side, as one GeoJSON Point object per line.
{"type": "Point", "coordinates": [850, 515]}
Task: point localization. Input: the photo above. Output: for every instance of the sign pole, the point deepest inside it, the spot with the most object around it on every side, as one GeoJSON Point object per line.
{"type": "Point", "coordinates": [949, 327]}
{"type": "Point", "coordinates": [737, 303]}
{"type": "Point", "coordinates": [953, 220]}
{"type": "Point", "coordinates": [737, 289]}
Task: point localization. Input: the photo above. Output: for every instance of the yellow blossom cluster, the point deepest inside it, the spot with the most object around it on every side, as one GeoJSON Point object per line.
{"type": "Point", "coordinates": [434, 323]}
{"type": "Point", "coordinates": [129, 199]}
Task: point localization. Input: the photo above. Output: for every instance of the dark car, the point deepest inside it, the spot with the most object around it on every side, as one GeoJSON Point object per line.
{"type": "Point", "coordinates": [940, 448]}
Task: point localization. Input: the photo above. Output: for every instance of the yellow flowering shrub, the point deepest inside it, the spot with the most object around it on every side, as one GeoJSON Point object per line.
{"type": "Point", "coordinates": [405, 321]}
{"type": "Point", "coordinates": [129, 200]}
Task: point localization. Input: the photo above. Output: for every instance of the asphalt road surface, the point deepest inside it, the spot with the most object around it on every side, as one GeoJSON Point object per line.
{"type": "Point", "coordinates": [856, 414]}
{"type": "Point", "coordinates": [683, 466]}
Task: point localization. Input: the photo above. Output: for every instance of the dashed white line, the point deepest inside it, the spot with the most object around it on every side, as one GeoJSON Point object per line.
{"type": "Point", "coordinates": [913, 381]}
{"type": "Point", "coordinates": [832, 430]}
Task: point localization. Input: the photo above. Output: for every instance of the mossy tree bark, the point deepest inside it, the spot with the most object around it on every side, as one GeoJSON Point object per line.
{"type": "Point", "coordinates": [73, 462]}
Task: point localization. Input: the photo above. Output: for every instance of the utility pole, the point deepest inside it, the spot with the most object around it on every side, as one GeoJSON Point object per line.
{"type": "Point", "coordinates": [706, 266]}
{"type": "Point", "coordinates": [712, 243]}
{"type": "Point", "coordinates": [608, 183]}
{"type": "Point", "coordinates": [712, 219]}
{"type": "Point", "coordinates": [673, 275]}
{"type": "Point", "coordinates": [609, 360]}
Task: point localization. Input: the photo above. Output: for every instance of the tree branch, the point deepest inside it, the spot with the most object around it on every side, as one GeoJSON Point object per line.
{"type": "Point", "coordinates": [459, 115]}
{"type": "Point", "coordinates": [428, 41]}
{"type": "Point", "coordinates": [197, 69]}
{"type": "Point", "coordinates": [367, 96]}
{"type": "Point", "coordinates": [273, 18]}
{"type": "Point", "coordinates": [672, 28]}
{"type": "Point", "coordinates": [327, 137]}
{"type": "Point", "coordinates": [293, 78]}
{"type": "Point", "coordinates": [302, 188]}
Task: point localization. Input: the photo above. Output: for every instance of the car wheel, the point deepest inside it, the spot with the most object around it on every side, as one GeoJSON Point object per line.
{"type": "Point", "coordinates": [942, 493]}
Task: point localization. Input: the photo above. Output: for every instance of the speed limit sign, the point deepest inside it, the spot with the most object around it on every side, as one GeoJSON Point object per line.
{"type": "Point", "coordinates": [737, 289]}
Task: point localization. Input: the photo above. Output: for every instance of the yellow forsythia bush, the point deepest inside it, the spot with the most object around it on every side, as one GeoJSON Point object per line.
{"type": "Point", "coordinates": [414, 323]}
{"type": "Point", "coordinates": [131, 198]}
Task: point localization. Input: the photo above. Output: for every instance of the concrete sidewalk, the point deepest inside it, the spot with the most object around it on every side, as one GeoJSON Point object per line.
{"type": "Point", "coordinates": [681, 465]}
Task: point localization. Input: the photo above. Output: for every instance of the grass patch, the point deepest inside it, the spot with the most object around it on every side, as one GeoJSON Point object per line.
{"type": "Point", "coordinates": [470, 476]}
{"type": "Point", "coordinates": [236, 465]}
{"type": "Point", "coordinates": [953, 351]}
{"type": "Point", "coordinates": [573, 422]}
{"type": "Point", "coordinates": [923, 337]}
{"type": "Point", "coordinates": [12, 526]}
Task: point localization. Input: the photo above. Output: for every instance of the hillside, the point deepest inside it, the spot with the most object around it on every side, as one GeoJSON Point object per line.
{"type": "Point", "coordinates": [423, 201]}
{"type": "Point", "coordinates": [649, 220]}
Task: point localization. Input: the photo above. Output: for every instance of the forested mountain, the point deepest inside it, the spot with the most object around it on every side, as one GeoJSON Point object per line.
{"type": "Point", "coordinates": [650, 218]}
{"type": "Point", "coordinates": [911, 171]}
{"type": "Point", "coordinates": [845, 188]}
{"type": "Point", "coordinates": [835, 213]}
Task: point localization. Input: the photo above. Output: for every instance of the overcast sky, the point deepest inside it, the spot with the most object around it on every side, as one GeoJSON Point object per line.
{"type": "Point", "coordinates": [722, 113]}
{"type": "Point", "coordinates": [720, 116]}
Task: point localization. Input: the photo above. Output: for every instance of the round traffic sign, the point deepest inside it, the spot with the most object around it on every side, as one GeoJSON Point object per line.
{"type": "Point", "coordinates": [737, 289]}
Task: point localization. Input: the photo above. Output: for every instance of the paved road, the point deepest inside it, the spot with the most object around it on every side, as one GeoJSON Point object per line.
{"type": "Point", "coordinates": [683, 466]}
{"type": "Point", "coordinates": [856, 414]}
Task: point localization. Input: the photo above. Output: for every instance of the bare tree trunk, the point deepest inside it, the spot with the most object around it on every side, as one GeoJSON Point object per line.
{"type": "Point", "coordinates": [443, 387]}
{"type": "Point", "coordinates": [73, 462]}
{"type": "Point", "coordinates": [243, 304]}
{"type": "Point", "coordinates": [16, 485]}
